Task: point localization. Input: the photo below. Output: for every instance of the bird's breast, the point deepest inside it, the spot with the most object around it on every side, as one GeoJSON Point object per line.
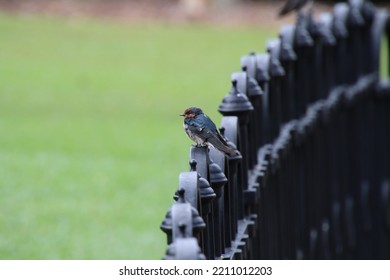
{"type": "Point", "coordinates": [193, 134]}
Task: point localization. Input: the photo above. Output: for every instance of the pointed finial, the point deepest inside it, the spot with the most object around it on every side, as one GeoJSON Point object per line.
{"type": "Point", "coordinates": [234, 83]}
{"type": "Point", "coordinates": [193, 164]}
{"type": "Point", "coordinates": [180, 194]}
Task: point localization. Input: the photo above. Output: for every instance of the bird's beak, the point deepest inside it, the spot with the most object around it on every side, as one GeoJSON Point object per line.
{"type": "Point", "coordinates": [182, 115]}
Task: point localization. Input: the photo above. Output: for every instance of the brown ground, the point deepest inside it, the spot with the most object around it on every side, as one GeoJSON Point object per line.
{"type": "Point", "coordinates": [244, 13]}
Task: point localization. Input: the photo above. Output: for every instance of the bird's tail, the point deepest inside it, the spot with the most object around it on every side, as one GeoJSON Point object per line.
{"type": "Point", "coordinates": [223, 148]}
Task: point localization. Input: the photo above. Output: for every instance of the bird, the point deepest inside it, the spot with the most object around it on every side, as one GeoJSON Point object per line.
{"type": "Point", "coordinates": [292, 5]}
{"type": "Point", "coordinates": [202, 130]}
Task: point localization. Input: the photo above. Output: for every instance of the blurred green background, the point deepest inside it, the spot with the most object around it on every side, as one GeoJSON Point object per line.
{"type": "Point", "coordinates": [91, 143]}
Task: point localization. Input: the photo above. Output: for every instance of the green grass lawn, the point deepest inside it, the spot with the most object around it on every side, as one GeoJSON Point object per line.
{"type": "Point", "coordinates": [91, 144]}
{"type": "Point", "coordinates": [384, 62]}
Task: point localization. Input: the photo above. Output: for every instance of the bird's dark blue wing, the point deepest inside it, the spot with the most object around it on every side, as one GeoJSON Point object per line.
{"type": "Point", "coordinates": [206, 122]}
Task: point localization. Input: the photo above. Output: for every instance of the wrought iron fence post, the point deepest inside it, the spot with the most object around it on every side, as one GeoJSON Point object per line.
{"type": "Point", "coordinates": [327, 63]}
{"type": "Point", "coordinates": [263, 77]}
{"type": "Point", "coordinates": [277, 74]}
{"type": "Point", "coordinates": [200, 155]}
{"type": "Point", "coordinates": [250, 88]}
{"type": "Point", "coordinates": [233, 195]}
{"type": "Point", "coordinates": [303, 47]}
{"type": "Point", "coordinates": [207, 196]}
{"type": "Point", "coordinates": [288, 59]}
{"type": "Point", "coordinates": [255, 94]}
{"type": "Point", "coordinates": [355, 24]}
{"type": "Point", "coordinates": [217, 181]}
{"type": "Point", "coordinates": [237, 104]}
{"type": "Point", "coordinates": [341, 33]}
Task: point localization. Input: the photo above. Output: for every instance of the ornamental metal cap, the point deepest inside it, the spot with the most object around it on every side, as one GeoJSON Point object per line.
{"type": "Point", "coordinates": [248, 64]}
{"type": "Point", "coordinates": [339, 22]}
{"type": "Point", "coordinates": [235, 103]}
{"type": "Point", "coordinates": [368, 11]}
{"type": "Point", "coordinates": [253, 88]}
{"type": "Point", "coordinates": [286, 36]}
{"type": "Point", "coordinates": [197, 222]}
{"type": "Point", "coordinates": [302, 35]}
{"type": "Point", "coordinates": [166, 225]}
{"type": "Point", "coordinates": [325, 29]}
{"type": "Point", "coordinates": [275, 67]}
{"type": "Point", "coordinates": [355, 17]}
{"type": "Point", "coordinates": [237, 157]}
{"type": "Point", "coordinates": [205, 191]}
{"type": "Point", "coordinates": [217, 177]}
{"type": "Point", "coordinates": [262, 65]}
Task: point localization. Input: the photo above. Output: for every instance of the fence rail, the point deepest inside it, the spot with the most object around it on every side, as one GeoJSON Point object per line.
{"type": "Point", "coordinates": [311, 119]}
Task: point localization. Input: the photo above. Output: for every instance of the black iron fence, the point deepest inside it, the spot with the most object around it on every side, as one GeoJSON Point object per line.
{"type": "Point", "coordinates": [311, 119]}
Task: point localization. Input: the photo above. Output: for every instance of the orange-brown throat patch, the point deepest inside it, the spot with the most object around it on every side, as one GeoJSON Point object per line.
{"type": "Point", "coordinates": [189, 116]}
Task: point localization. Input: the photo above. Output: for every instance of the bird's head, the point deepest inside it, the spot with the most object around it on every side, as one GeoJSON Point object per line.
{"type": "Point", "coordinates": [191, 112]}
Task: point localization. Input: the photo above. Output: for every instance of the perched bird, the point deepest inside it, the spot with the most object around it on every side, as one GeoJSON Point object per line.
{"type": "Point", "coordinates": [292, 5]}
{"type": "Point", "coordinates": [201, 129]}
